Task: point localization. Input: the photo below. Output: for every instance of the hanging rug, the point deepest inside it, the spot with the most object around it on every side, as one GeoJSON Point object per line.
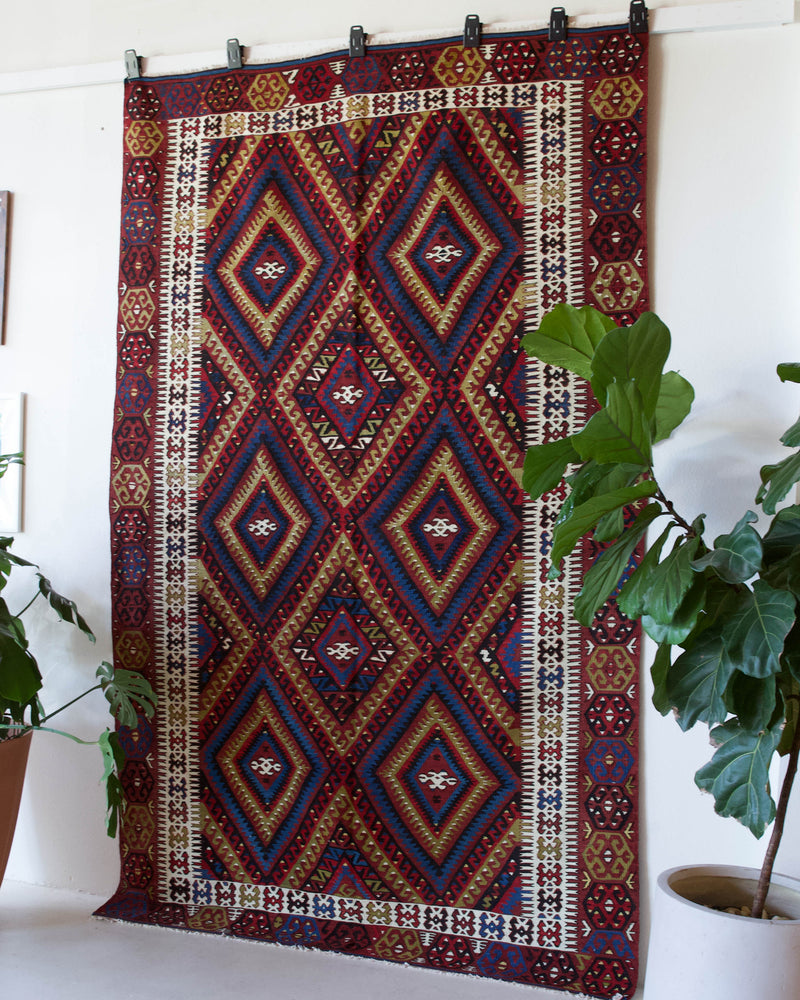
{"type": "Point", "coordinates": [380, 730]}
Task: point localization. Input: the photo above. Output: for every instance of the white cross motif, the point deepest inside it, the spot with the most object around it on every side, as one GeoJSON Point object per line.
{"type": "Point", "coordinates": [437, 781]}
{"type": "Point", "coordinates": [440, 527]}
{"type": "Point", "coordinates": [266, 766]}
{"type": "Point", "coordinates": [271, 270]}
{"type": "Point", "coordinates": [348, 394]}
{"type": "Point", "coordinates": [262, 528]}
{"type": "Point", "coordinates": [443, 253]}
{"type": "Point", "coordinates": [342, 651]}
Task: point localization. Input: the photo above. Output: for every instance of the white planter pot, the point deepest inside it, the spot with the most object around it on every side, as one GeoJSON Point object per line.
{"type": "Point", "coordinates": [697, 952]}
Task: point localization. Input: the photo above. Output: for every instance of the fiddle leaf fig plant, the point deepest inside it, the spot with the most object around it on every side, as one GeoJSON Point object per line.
{"type": "Point", "coordinates": [129, 695]}
{"type": "Point", "coordinates": [724, 614]}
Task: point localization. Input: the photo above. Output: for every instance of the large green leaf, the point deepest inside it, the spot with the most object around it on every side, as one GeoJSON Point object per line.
{"type": "Point", "coordinates": [791, 437]}
{"type": "Point", "coordinates": [777, 480]}
{"type": "Point", "coordinates": [790, 696]}
{"type": "Point", "coordinates": [19, 674]}
{"type": "Point", "coordinates": [738, 774]}
{"type": "Point", "coordinates": [124, 689]}
{"type": "Point", "coordinates": [612, 525]}
{"type": "Point", "coordinates": [789, 371]}
{"type": "Point", "coordinates": [697, 681]}
{"type": "Point", "coordinates": [568, 338]}
{"type": "Point", "coordinates": [735, 556]}
{"type": "Point", "coordinates": [659, 671]}
{"type": "Point", "coordinates": [752, 700]}
{"type": "Point", "coordinates": [113, 763]}
{"type": "Point", "coordinates": [670, 582]}
{"type": "Point", "coordinates": [684, 621]}
{"type": "Point", "coordinates": [756, 633]}
{"type": "Point", "coordinates": [630, 599]}
{"type": "Point", "coordinates": [602, 577]}
{"type": "Point", "coordinates": [65, 608]}
{"type": "Point", "coordinates": [781, 551]}
{"type": "Point", "coordinates": [674, 403]}
{"type": "Point", "coordinates": [620, 432]}
{"type": "Point", "coordinates": [545, 465]}
{"type": "Point", "coordinates": [633, 354]}
{"type": "Point", "coordinates": [586, 515]}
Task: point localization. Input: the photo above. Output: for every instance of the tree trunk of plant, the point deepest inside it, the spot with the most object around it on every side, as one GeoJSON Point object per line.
{"type": "Point", "coordinates": [777, 830]}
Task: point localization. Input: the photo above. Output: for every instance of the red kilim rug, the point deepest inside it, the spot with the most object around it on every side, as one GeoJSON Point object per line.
{"type": "Point", "coordinates": [380, 730]}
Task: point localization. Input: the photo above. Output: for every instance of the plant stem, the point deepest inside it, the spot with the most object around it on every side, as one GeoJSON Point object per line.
{"type": "Point", "coordinates": [777, 830]}
{"type": "Point", "coordinates": [30, 602]}
{"type": "Point", "coordinates": [97, 687]}
{"type": "Point", "coordinates": [668, 504]}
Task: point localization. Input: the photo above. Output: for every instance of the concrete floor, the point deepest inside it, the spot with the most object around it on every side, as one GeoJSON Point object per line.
{"type": "Point", "coordinates": [51, 948]}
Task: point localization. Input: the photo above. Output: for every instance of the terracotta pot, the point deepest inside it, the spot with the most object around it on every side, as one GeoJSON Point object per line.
{"type": "Point", "coordinates": [697, 951]}
{"type": "Point", "coordinates": [13, 760]}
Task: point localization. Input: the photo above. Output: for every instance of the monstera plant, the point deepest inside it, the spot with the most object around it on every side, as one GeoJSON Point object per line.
{"type": "Point", "coordinates": [724, 614]}
{"type": "Point", "coordinates": [21, 707]}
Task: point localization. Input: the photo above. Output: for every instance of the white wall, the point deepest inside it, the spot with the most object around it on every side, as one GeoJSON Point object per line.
{"type": "Point", "coordinates": [725, 256]}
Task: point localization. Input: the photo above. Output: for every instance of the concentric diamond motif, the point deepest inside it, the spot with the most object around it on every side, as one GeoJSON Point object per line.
{"type": "Point", "coordinates": [436, 781]}
{"type": "Point", "coordinates": [342, 648]}
{"type": "Point", "coordinates": [260, 770]}
{"type": "Point", "coordinates": [259, 520]}
{"type": "Point", "coordinates": [262, 522]}
{"type": "Point", "coordinates": [269, 265]}
{"type": "Point", "coordinates": [440, 526]}
{"type": "Point", "coordinates": [349, 393]}
{"type": "Point", "coordinates": [444, 230]}
{"type": "Point", "coordinates": [438, 531]}
{"type": "Point", "coordinates": [437, 257]}
{"type": "Point", "coordinates": [339, 613]}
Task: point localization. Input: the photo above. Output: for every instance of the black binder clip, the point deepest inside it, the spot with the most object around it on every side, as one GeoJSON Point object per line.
{"type": "Point", "coordinates": [234, 54]}
{"type": "Point", "coordinates": [637, 24]}
{"type": "Point", "coordinates": [472, 31]}
{"type": "Point", "coordinates": [133, 65]}
{"type": "Point", "coordinates": [357, 42]}
{"type": "Point", "coordinates": [558, 25]}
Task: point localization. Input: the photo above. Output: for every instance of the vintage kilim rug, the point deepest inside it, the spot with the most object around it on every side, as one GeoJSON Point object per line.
{"type": "Point", "coordinates": [380, 731]}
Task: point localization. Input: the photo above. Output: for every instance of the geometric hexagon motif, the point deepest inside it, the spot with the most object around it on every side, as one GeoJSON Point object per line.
{"type": "Point", "coordinates": [609, 761]}
{"type": "Point", "coordinates": [609, 856]}
{"type": "Point", "coordinates": [611, 668]}
{"type": "Point", "coordinates": [615, 237]}
{"type": "Point", "coordinates": [617, 287]}
{"type": "Point", "coordinates": [616, 142]}
{"type": "Point", "coordinates": [609, 715]}
{"type": "Point", "coordinates": [608, 806]}
{"type": "Point", "coordinates": [616, 98]}
{"type": "Point", "coordinates": [457, 66]}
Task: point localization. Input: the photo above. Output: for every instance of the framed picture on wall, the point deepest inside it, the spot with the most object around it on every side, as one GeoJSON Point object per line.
{"type": "Point", "coordinates": [11, 421]}
{"type": "Point", "coordinates": [4, 203]}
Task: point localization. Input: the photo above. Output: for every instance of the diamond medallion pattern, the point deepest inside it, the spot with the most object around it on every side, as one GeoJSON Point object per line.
{"type": "Point", "coordinates": [379, 729]}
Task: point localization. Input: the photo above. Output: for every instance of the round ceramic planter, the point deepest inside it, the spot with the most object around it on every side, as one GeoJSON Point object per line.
{"type": "Point", "coordinates": [700, 952]}
{"type": "Point", "coordinates": [13, 761]}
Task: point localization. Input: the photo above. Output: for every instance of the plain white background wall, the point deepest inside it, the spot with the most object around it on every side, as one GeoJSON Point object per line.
{"type": "Point", "coordinates": [724, 261]}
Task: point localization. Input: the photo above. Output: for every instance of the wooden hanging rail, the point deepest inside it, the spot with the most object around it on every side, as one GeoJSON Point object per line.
{"type": "Point", "coordinates": [726, 14]}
